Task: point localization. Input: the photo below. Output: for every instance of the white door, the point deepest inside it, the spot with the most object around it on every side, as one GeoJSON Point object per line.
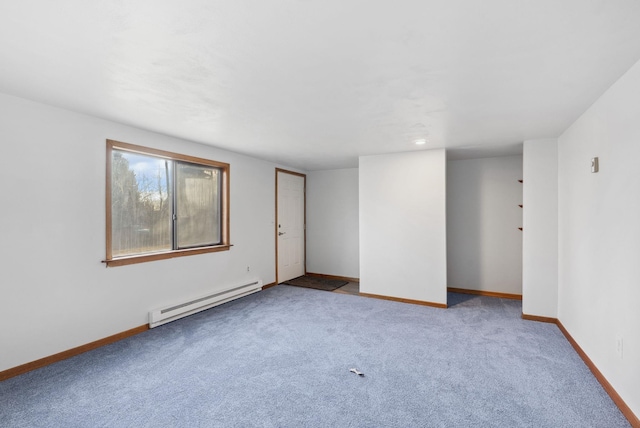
{"type": "Point", "coordinates": [290, 225]}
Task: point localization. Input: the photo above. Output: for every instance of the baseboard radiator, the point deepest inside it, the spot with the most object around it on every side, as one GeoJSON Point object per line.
{"type": "Point", "coordinates": [171, 313]}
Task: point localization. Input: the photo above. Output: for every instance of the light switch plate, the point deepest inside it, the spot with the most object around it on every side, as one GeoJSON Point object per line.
{"type": "Point", "coordinates": [595, 165]}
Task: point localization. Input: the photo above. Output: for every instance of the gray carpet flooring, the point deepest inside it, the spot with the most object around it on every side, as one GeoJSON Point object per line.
{"type": "Point", "coordinates": [281, 358]}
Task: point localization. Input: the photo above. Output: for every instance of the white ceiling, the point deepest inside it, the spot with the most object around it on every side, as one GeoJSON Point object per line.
{"type": "Point", "coordinates": [315, 84]}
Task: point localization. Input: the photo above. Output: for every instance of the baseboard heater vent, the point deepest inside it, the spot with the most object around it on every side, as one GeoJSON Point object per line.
{"type": "Point", "coordinates": [171, 313]}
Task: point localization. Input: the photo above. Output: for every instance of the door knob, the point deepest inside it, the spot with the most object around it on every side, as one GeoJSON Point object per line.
{"type": "Point", "coordinates": [281, 233]}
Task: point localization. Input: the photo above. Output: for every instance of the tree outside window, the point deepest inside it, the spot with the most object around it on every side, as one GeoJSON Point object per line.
{"type": "Point", "coordinates": [162, 205]}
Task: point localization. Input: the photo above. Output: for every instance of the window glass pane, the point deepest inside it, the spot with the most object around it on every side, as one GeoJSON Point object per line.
{"type": "Point", "coordinates": [198, 205]}
{"type": "Point", "coordinates": [140, 204]}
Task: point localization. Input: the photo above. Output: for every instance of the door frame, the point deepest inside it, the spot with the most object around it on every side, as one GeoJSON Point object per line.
{"type": "Point", "coordinates": [304, 217]}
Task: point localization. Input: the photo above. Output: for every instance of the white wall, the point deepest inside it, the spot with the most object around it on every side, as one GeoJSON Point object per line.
{"type": "Point", "coordinates": [332, 222]}
{"type": "Point", "coordinates": [403, 225]}
{"type": "Point", "coordinates": [599, 234]}
{"type": "Point", "coordinates": [540, 223]}
{"type": "Point", "coordinates": [56, 293]}
{"type": "Point", "coordinates": [484, 245]}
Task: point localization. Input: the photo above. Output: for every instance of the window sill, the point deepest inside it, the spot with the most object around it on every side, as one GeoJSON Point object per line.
{"type": "Point", "coordinates": [129, 260]}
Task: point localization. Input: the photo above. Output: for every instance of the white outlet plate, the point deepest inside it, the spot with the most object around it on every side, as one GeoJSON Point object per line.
{"type": "Point", "coordinates": [619, 346]}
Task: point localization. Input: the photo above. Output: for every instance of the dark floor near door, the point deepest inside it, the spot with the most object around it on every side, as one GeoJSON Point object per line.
{"type": "Point", "coordinates": [352, 288]}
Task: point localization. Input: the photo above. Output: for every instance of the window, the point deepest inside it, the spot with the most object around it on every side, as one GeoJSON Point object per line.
{"type": "Point", "coordinates": [162, 205]}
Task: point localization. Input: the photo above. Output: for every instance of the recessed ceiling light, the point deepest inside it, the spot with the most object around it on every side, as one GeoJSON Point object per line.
{"type": "Point", "coordinates": [421, 142]}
